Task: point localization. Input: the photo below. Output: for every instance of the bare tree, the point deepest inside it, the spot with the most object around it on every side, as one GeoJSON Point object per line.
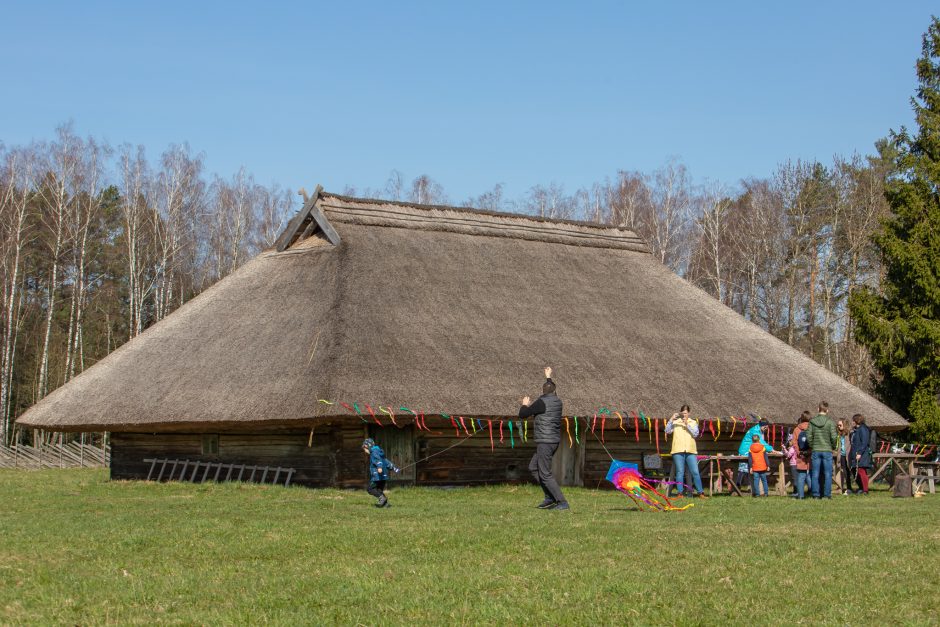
{"type": "Point", "coordinates": [136, 184]}
{"type": "Point", "coordinates": [62, 160]}
{"type": "Point", "coordinates": [178, 201]}
{"type": "Point", "coordinates": [16, 183]}
{"type": "Point", "coordinates": [666, 221]}
{"type": "Point", "coordinates": [427, 191]}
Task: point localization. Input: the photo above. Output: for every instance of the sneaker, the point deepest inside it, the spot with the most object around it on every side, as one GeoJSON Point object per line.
{"type": "Point", "coordinates": [679, 496]}
{"type": "Point", "coordinates": [561, 505]}
{"type": "Point", "coordinates": [701, 495]}
{"type": "Point", "coordinates": [383, 501]}
{"type": "Point", "coordinates": [546, 504]}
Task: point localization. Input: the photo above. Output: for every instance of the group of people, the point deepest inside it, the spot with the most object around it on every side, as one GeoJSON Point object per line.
{"type": "Point", "coordinates": [810, 451]}
{"type": "Point", "coordinates": [815, 443]}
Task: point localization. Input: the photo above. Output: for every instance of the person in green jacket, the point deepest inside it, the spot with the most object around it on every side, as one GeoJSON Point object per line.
{"type": "Point", "coordinates": [823, 439]}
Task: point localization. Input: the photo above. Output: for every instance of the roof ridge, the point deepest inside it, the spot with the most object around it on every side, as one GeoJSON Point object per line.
{"type": "Point", "coordinates": [476, 211]}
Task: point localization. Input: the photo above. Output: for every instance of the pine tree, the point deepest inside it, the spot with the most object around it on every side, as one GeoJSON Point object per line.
{"type": "Point", "coordinates": [901, 327]}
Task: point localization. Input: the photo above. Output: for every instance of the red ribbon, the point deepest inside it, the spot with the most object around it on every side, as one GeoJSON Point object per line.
{"type": "Point", "coordinates": [490, 422]}
{"type": "Point", "coordinates": [711, 427]}
{"type": "Point", "coordinates": [464, 424]}
{"type": "Point", "coordinates": [594, 424]}
{"type": "Point", "coordinates": [456, 428]}
{"type": "Point", "coordinates": [500, 431]}
{"type": "Point", "coordinates": [636, 426]}
{"type": "Point", "coordinates": [373, 415]}
{"type": "Point", "coordinates": [603, 424]}
{"type": "Point", "coordinates": [656, 426]}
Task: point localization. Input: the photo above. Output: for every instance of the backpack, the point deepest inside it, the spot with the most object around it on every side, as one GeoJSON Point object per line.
{"type": "Point", "coordinates": [802, 441]}
{"type": "Point", "coordinates": [873, 441]}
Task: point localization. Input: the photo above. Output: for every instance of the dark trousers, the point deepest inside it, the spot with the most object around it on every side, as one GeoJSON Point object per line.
{"type": "Point", "coordinates": [846, 483]}
{"type": "Point", "coordinates": [541, 469]}
{"type": "Point", "coordinates": [376, 488]}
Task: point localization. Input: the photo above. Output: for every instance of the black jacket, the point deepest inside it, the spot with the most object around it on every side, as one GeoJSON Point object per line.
{"type": "Point", "coordinates": [547, 410]}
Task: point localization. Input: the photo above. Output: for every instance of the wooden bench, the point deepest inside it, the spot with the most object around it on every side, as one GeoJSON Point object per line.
{"type": "Point", "coordinates": [192, 468]}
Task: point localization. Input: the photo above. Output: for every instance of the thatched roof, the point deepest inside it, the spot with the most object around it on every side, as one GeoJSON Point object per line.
{"type": "Point", "coordinates": [450, 310]}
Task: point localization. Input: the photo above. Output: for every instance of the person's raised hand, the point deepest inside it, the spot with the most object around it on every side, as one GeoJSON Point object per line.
{"type": "Point", "coordinates": [525, 400]}
{"type": "Point", "coordinates": [548, 372]}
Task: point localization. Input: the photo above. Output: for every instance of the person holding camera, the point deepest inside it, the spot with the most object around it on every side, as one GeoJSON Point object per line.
{"type": "Point", "coordinates": [684, 451]}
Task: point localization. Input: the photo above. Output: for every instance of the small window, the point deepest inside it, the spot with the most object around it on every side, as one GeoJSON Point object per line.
{"type": "Point", "coordinates": [210, 444]}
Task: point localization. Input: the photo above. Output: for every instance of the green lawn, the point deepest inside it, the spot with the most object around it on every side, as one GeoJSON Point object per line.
{"type": "Point", "coordinates": [78, 549]}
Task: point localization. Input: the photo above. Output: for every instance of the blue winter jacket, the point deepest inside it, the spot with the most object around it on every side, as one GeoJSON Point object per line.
{"type": "Point", "coordinates": [745, 446]}
{"type": "Point", "coordinates": [377, 460]}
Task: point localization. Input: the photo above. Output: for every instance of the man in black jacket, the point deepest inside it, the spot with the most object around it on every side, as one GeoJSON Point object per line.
{"type": "Point", "coordinates": [547, 412]}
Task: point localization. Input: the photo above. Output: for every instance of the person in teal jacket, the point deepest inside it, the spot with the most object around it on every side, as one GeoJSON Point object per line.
{"type": "Point", "coordinates": [760, 430]}
{"type": "Point", "coordinates": [379, 469]}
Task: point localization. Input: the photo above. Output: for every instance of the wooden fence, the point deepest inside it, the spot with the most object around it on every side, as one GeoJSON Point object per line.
{"type": "Point", "coordinates": [70, 455]}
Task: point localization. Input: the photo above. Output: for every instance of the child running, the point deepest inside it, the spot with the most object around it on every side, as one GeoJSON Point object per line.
{"type": "Point", "coordinates": [379, 467]}
{"type": "Point", "coordinates": [757, 456]}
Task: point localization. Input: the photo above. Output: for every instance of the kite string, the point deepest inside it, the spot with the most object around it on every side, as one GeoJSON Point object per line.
{"type": "Point", "coordinates": [443, 450]}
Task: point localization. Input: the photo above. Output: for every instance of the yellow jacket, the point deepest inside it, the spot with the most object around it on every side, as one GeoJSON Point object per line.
{"type": "Point", "coordinates": [683, 439]}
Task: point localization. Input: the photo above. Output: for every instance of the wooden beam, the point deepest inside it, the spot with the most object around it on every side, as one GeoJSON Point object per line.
{"type": "Point", "coordinates": [297, 221]}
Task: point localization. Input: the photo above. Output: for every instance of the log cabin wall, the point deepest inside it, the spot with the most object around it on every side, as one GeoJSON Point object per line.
{"type": "Point", "coordinates": [326, 463]}
{"type": "Point", "coordinates": [335, 458]}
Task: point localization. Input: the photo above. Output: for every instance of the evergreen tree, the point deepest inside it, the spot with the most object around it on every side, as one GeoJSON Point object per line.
{"type": "Point", "coordinates": [901, 328]}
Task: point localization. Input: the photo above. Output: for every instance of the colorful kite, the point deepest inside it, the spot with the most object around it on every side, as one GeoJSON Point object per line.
{"type": "Point", "coordinates": [627, 478]}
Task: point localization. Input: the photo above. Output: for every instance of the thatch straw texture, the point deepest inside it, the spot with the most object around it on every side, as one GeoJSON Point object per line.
{"type": "Point", "coordinates": [447, 310]}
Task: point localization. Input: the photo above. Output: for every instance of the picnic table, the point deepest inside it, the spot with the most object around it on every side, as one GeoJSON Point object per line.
{"type": "Point", "coordinates": [889, 460]}
{"type": "Point", "coordinates": [926, 472]}
{"type": "Point", "coordinates": [716, 473]}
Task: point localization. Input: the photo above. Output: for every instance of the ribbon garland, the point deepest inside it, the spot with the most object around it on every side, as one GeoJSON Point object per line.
{"type": "Point", "coordinates": [372, 413]}
{"type": "Point", "coordinates": [453, 423]}
{"type": "Point", "coordinates": [355, 410]}
{"type": "Point", "coordinates": [620, 416]}
{"type": "Point", "coordinates": [388, 410]}
{"type": "Point", "coordinates": [652, 425]}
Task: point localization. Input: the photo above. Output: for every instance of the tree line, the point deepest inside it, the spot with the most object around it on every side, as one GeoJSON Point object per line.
{"type": "Point", "coordinates": [98, 242]}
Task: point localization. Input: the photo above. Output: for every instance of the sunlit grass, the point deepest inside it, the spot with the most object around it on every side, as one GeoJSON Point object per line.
{"type": "Point", "coordinates": [78, 549]}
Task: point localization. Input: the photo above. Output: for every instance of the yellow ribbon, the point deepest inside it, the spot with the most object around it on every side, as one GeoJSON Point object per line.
{"type": "Point", "coordinates": [621, 421]}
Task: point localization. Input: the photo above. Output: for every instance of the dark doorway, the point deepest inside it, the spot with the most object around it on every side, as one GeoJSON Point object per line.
{"type": "Point", "coordinates": [399, 446]}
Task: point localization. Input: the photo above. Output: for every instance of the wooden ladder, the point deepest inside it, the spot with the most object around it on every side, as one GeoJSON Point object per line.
{"type": "Point", "coordinates": [193, 467]}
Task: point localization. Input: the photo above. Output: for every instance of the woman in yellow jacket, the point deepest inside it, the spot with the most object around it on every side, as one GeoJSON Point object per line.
{"type": "Point", "coordinates": [684, 452]}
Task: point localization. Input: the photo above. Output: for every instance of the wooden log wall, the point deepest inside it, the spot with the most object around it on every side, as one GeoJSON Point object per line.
{"type": "Point", "coordinates": [315, 465]}
{"type": "Point", "coordinates": [336, 459]}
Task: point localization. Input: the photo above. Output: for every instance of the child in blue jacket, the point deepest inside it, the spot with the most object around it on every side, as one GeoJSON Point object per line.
{"type": "Point", "coordinates": [379, 469]}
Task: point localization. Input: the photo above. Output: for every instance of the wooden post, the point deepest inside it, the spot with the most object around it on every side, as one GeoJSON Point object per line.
{"type": "Point", "coordinates": [82, 451]}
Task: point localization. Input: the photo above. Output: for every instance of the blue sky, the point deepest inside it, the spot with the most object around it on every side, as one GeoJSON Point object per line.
{"type": "Point", "coordinates": [472, 94]}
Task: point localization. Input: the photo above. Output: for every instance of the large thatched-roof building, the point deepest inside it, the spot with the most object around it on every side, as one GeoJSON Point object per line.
{"type": "Point", "coordinates": [439, 310]}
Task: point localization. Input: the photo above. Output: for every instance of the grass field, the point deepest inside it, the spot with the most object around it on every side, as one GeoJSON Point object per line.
{"type": "Point", "coordinates": [78, 549]}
